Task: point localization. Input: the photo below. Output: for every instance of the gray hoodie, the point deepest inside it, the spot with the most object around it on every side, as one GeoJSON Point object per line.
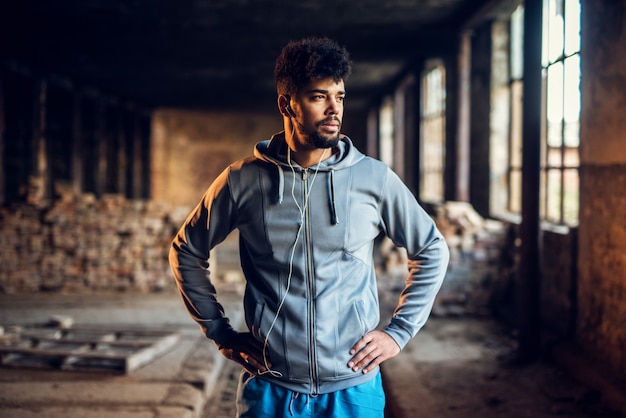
{"type": "Point", "coordinates": [306, 246]}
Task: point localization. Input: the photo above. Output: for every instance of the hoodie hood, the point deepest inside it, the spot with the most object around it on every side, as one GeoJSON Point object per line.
{"type": "Point", "coordinates": [274, 151]}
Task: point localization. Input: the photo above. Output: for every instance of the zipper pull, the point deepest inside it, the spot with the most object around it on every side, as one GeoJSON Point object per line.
{"type": "Point", "coordinates": [305, 174]}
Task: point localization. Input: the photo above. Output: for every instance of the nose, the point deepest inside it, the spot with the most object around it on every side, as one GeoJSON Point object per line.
{"type": "Point", "coordinates": [334, 106]}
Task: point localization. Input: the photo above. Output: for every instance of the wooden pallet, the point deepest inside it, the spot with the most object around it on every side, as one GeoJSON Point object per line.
{"type": "Point", "coordinates": [82, 348]}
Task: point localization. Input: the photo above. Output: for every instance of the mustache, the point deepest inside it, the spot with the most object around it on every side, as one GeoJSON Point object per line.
{"type": "Point", "coordinates": [329, 119]}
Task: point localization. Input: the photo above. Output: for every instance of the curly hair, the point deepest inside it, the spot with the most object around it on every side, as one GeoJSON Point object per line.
{"type": "Point", "coordinates": [310, 58]}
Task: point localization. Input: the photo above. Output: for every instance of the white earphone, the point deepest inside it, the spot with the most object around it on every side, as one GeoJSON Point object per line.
{"type": "Point", "coordinates": [302, 209]}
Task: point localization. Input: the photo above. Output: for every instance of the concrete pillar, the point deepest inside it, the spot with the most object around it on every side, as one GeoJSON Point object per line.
{"type": "Point", "coordinates": [451, 184]}
{"type": "Point", "coordinates": [19, 139]}
{"type": "Point", "coordinates": [77, 145]}
{"type": "Point", "coordinates": [464, 116]}
{"type": "Point", "coordinates": [480, 105]}
{"type": "Point", "coordinates": [145, 135]}
{"type": "Point", "coordinates": [2, 139]}
{"type": "Point", "coordinates": [411, 132]}
{"type": "Point", "coordinates": [41, 181]}
{"type": "Point", "coordinates": [602, 245]}
{"type": "Point", "coordinates": [59, 135]}
{"type": "Point", "coordinates": [88, 142]}
{"type": "Point", "coordinates": [528, 313]}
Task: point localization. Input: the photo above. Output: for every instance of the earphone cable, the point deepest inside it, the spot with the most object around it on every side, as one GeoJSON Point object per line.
{"type": "Point", "coordinates": [302, 211]}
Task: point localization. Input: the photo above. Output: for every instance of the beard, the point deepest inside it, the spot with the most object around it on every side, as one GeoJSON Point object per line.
{"type": "Point", "coordinates": [317, 140]}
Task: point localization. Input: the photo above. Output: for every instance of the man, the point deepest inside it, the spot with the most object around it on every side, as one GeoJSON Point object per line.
{"type": "Point", "coordinates": [309, 206]}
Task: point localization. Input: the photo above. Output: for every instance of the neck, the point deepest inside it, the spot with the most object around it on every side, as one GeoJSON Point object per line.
{"type": "Point", "coordinates": [308, 158]}
{"type": "Point", "coordinates": [302, 154]}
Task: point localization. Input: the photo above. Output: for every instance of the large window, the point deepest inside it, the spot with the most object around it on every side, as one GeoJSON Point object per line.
{"type": "Point", "coordinates": [561, 71]}
{"type": "Point", "coordinates": [432, 132]}
{"type": "Point", "coordinates": [562, 103]}
{"type": "Point", "coordinates": [506, 114]}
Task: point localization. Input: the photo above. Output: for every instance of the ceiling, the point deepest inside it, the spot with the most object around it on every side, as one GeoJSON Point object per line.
{"type": "Point", "coordinates": [220, 53]}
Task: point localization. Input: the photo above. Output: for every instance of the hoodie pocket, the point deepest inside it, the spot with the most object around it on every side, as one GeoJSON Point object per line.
{"type": "Point", "coordinates": [286, 351]}
{"type": "Point", "coordinates": [335, 352]}
{"type": "Point", "coordinates": [264, 329]}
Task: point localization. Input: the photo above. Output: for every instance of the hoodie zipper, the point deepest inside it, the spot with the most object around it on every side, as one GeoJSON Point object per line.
{"type": "Point", "coordinates": [311, 285]}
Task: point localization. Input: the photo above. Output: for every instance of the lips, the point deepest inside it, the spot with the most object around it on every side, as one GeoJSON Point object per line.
{"type": "Point", "coordinates": [332, 123]}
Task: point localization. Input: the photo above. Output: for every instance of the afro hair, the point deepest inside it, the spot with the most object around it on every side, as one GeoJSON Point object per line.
{"type": "Point", "coordinates": [307, 59]}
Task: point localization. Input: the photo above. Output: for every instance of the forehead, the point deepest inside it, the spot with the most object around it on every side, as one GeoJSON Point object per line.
{"type": "Point", "coordinates": [326, 85]}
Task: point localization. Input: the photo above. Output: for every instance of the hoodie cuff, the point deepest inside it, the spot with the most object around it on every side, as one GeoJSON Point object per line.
{"type": "Point", "coordinates": [219, 331]}
{"type": "Point", "coordinates": [401, 337]}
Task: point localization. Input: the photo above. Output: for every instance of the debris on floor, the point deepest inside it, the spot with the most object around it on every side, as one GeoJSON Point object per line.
{"type": "Point", "coordinates": [64, 346]}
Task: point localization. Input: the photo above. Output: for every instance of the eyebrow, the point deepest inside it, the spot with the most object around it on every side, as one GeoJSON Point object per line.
{"type": "Point", "coordinates": [323, 91]}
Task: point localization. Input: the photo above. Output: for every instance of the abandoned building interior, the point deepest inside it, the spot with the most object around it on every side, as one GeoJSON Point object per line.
{"type": "Point", "coordinates": [507, 119]}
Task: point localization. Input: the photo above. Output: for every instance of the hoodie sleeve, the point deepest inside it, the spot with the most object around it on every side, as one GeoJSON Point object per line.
{"type": "Point", "coordinates": [207, 225]}
{"type": "Point", "coordinates": [408, 225]}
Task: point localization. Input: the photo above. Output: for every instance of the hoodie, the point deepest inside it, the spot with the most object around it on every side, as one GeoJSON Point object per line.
{"type": "Point", "coordinates": [306, 240]}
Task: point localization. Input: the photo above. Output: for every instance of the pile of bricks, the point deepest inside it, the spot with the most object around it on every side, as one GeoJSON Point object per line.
{"type": "Point", "coordinates": [476, 251]}
{"type": "Point", "coordinates": [474, 274]}
{"type": "Point", "coordinates": [81, 243]}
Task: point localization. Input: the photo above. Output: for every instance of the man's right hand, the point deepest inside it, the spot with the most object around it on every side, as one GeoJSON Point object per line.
{"type": "Point", "coordinates": [244, 349]}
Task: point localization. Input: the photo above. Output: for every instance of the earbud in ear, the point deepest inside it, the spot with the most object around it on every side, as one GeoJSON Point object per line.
{"type": "Point", "coordinates": [285, 108]}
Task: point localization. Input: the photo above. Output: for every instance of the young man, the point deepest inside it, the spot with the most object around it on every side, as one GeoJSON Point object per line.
{"type": "Point", "coordinates": [309, 206]}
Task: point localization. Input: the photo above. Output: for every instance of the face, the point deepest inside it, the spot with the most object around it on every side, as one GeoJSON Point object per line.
{"type": "Point", "coordinates": [319, 112]}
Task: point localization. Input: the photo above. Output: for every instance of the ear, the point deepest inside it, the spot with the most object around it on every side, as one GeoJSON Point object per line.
{"type": "Point", "coordinates": [283, 106]}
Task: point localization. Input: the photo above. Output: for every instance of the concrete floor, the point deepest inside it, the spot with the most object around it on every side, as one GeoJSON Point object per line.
{"type": "Point", "coordinates": [456, 367]}
{"type": "Point", "coordinates": [465, 367]}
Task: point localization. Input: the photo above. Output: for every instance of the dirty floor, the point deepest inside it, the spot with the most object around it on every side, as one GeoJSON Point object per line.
{"type": "Point", "coordinates": [463, 368]}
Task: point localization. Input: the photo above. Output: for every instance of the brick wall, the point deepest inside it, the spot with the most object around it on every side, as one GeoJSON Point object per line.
{"type": "Point", "coordinates": [602, 261]}
{"type": "Point", "coordinates": [81, 244]}
{"type": "Point", "coordinates": [191, 148]}
{"type": "Point", "coordinates": [601, 325]}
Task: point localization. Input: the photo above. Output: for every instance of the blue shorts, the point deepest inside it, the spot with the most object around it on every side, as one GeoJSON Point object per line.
{"type": "Point", "coordinates": [258, 398]}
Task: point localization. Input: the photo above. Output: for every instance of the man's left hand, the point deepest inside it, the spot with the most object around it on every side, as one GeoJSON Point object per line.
{"type": "Point", "coordinates": [371, 350]}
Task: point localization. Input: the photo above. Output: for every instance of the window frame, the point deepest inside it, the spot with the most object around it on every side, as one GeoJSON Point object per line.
{"type": "Point", "coordinates": [433, 131]}
{"type": "Point", "coordinates": [560, 162]}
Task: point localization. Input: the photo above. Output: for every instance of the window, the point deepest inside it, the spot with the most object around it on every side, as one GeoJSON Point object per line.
{"type": "Point", "coordinates": [432, 133]}
{"type": "Point", "coordinates": [506, 114]}
{"type": "Point", "coordinates": [385, 132]}
{"type": "Point", "coordinates": [561, 72]}
{"type": "Point", "coordinates": [514, 203]}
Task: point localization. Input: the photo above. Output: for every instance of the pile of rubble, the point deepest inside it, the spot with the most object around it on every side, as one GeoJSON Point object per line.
{"type": "Point", "coordinates": [476, 256]}
{"type": "Point", "coordinates": [81, 243]}
{"type": "Point", "coordinates": [476, 261]}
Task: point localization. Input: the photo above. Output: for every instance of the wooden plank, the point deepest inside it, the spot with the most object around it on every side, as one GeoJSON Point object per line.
{"type": "Point", "coordinates": [138, 343]}
{"type": "Point", "coordinates": [88, 348]}
{"type": "Point", "coordinates": [148, 354]}
{"type": "Point", "coordinates": [52, 353]}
